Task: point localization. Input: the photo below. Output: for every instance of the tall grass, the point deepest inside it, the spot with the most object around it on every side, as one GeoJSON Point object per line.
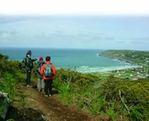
{"type": "Point", "coordinates": [97, 94]}
{"type": "Point", "coordinates": [10, 75]}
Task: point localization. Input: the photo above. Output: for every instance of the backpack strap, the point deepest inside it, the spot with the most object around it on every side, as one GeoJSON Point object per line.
{"type": "Point", "coordinates": [48, 64]}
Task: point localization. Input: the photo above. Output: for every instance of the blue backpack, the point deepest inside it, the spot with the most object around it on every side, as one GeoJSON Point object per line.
{"type": "Point", "coordinates": [48, 71]}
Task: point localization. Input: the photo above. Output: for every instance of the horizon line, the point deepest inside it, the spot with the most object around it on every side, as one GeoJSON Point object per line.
{"type": "Point", "coordinates": [69, 48]}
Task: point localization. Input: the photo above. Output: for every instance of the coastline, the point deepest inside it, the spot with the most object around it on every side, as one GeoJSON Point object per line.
{"type": "Point", "coordinates": [86, 69]}
{"type": "Point", "coordinates": [133, 57]}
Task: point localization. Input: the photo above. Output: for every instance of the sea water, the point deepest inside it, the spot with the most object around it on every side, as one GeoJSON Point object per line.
{"type": "Point", "coordinates": [75, 59]}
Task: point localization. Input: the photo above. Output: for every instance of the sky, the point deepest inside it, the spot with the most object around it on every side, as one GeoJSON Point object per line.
{"type": "Point", "coordinates": [123, 34]}
{"type": "Point", "coordinates": [71, 7]}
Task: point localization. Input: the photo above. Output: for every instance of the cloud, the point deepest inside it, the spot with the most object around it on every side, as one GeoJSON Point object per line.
{"type": "Point", "coordinates": [75, 32]}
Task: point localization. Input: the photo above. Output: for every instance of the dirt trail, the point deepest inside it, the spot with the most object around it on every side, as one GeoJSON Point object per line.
{"type": "Point", "coordinates": [51, 108]}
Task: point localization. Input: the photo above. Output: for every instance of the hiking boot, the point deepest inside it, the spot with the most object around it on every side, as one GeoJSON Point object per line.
{"type": "Point", "coordinates": [42, 90]}
{"type": "Point", "coordinates": [27, 86]}
{"type": "Point", "coordinates": [50, 95]}
{"type": "Point", "coordinates": [46, 95]}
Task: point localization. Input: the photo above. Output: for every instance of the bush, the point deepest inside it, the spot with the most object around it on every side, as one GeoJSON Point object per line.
{"type": "Point", "coordinates": [115, 97]}
{"type": "Point", "coordinates": [133, 98]}
{"type": "Point", "coordinates": [8, 85]}
{"type": "Point", "coordinates": [8, 66]}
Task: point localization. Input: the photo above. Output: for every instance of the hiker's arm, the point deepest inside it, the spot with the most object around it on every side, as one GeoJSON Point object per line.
{"type": "Point", "coordinates": [53, 70]}
{"type": "Point", "coordinates": [35, 59]}
{"type": "Point", "coordinates": [42, 70]}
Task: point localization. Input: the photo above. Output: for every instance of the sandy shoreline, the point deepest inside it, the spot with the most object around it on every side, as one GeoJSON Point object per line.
{"type": "Point", "coordinates": [86, 69]}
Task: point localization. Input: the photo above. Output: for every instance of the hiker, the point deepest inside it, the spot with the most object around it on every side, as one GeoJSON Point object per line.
{"type": "Point", "coordinates": [28, 65]}
{"type": "Point", "coordinates": [48, 72]}
{"type": "Point", "coordinates": [40, 83]}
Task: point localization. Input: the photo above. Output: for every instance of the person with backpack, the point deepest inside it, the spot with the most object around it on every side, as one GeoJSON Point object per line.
{"type": "Point", "coordinates": [28, 65]}
{"type": "Point", "coordinates": [48, 72]}
{"type": "Point", "coordinates": [40, 83]}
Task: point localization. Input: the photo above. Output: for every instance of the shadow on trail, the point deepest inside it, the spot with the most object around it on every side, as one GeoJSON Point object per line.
{"type": "Point", "coordinates": [27, 114]}
{"type": "Point", "coordinates": [54, 91]}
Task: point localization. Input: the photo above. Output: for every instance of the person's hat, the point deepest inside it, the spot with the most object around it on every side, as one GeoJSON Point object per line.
{"type": "Point", "coordinates": [40, 58]}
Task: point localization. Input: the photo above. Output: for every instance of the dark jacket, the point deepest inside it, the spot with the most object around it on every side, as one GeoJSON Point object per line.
{"type": "Point", "coordinates": [28, 63]}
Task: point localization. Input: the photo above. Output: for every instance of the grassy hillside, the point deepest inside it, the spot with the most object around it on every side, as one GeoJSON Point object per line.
{"type": "Point", "coordinates": [105, 95]}
{"type": "Point", "coordinates": [98, 94]}
{"type": "Point", "coordinates": [10, 75]}
{"type": "Point", "coordinates": [135, 57]}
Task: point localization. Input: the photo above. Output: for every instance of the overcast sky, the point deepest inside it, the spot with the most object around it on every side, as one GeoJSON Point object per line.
{"type": "Point", "coordinates": [83, 7]}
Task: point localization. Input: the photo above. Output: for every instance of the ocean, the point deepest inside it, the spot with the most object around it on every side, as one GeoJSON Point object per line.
{"type": "Point", "coordinates": [76, 59]}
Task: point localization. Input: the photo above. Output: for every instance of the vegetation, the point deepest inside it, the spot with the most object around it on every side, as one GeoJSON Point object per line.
{"type": "Point", "coordinates": [105, 95]}
{"type": "Point", "coordinates": [96, 93]}
{"type": "Point", "coordinates": [10, 75]}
